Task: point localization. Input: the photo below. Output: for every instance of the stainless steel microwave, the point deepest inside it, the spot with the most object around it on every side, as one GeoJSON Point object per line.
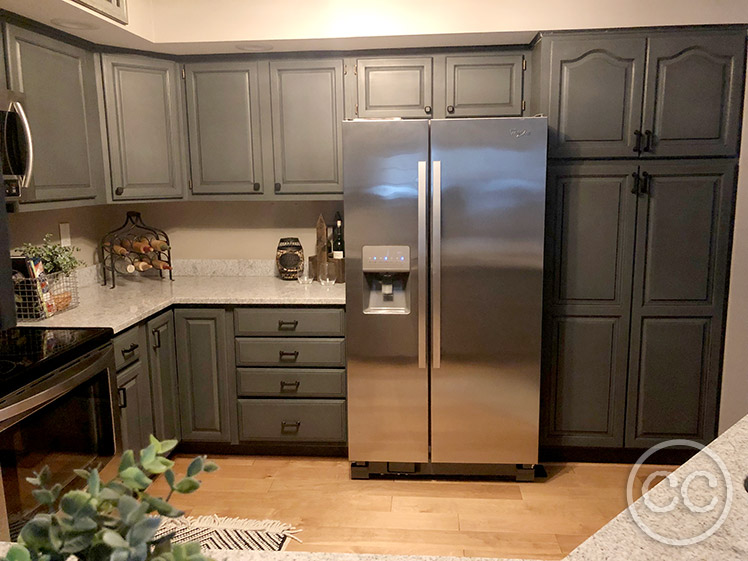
{"type": "Point", "coordinates": [16, 144]}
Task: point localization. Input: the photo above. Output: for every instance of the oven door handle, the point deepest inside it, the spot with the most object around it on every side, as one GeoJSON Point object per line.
{"type": "Point", "coordinates": [56, 385]}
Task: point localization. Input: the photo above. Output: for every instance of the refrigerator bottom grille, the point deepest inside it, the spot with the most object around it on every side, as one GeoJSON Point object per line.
{"type": "Point", "coordinates": [518, 472]}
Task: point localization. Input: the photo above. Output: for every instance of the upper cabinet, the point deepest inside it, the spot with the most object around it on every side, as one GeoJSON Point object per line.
{"type": "Point", "coordinates": [224, 127]}
{"type": "Point", "coordinates": [146, 129]}
{"type": "Point", "coordinates": [62, 104]}
{"type": "Point", "coordinates": [484, 86]}
{"type": "Point", "coordinates": [652, 95]}
{"type": "Point", "coordinates": [307, 115]}
{"type": "Point", "coordinates": [394, 87]}
{"type": "Point", "coordinates": [115, 9]}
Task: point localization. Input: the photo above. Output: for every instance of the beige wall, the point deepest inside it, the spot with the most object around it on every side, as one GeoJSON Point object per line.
{"type": "Point", "coordinates": [197, 230]}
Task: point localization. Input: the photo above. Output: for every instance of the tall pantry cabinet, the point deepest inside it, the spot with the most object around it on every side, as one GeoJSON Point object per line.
{"type": "Point", "coordinates": [643, 144]}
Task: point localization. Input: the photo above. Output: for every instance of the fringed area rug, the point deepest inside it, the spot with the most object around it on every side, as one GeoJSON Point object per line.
{"type": "Point", "coordinates": [215, 532]}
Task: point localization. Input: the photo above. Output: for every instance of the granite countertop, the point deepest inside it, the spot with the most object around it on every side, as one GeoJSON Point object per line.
{"type": "Point", "coordinates": [134, 300]}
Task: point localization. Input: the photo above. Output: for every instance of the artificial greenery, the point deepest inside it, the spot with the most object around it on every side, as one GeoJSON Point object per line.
{"type": "Point", "coordinates": [55, 257]}
{"type": "Point", "coordinates": [114, 521]}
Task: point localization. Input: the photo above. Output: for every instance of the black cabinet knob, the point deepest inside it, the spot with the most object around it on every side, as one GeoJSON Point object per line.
{"type": "Point", "coordinates": [427, 109]}
{"type": "Point", "coordinates": [450, 108]}
{"type": "Point", "coordinates": [119, 191]}
{"type": "Point", "coordinates": [277, 187]}
{"type": "Point", "coordinates": [256, 186]}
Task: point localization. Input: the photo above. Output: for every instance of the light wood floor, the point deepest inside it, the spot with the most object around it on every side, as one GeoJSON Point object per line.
{"type": "Point", "coordinates": [541, 520]}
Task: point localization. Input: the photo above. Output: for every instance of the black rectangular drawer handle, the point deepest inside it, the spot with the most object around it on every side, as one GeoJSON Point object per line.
{"type": "Point", "coordinates": [129, 350]}
{"type": "Point", "coordinates": [290, 427]}
{"type": "Point", "coordinates": [122, 398]}
{"type": "Point", "coordinates": [288, 355]}
{"type": "Point", "coordinates": [284, 325]}
{"type": "Point", "coordinates": [290, 386]}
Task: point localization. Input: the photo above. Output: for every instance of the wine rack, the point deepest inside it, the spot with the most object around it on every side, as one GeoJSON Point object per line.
{"type": "Point", "coordinates": [135, 248]}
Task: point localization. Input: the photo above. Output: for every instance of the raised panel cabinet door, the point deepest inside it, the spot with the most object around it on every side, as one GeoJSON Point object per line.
{"type": "Point", "coordinates": [394, 87]}
{"type": "Point", "coordinates": [590, 225]}
{"type": "Point", "coordinates": [307, 115]}
{"type": "Point", "coordinates": [484, 86]}
{"type": "Point", "coordinates": [224, 127]}
{"type": "Point", "coordinates": [596, 87]}
{"type": "Point", "coordinates": [59, 82]}
{"type": "Point", "coordinates": [135, 406]}
{"type": "Point", "coordinates": [693, 94]}
{"type": "Point", "coordinates": [162, 364]}
{"type": "Point", "coordinates": [115, 9]}
{"type": "Point", "coordinates": [203, 370]}
{"type": "Point", "coordinates": [684, 225]}
{"type": "Point", "coordinates": [144, 107]}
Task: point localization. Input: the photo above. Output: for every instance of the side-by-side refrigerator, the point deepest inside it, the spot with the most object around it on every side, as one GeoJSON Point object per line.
{"type": "Point", "coordinates": [444, 278]}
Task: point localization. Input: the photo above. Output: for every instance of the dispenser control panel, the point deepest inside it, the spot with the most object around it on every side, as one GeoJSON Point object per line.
{"type": "Point", "coordinates": [385, 258]}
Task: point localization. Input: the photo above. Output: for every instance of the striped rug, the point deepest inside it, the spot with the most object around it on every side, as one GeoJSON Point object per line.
{"type": "Point", "coordinates": [215, 532]}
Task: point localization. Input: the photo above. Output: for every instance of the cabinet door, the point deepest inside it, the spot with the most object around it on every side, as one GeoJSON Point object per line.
{"type": "Point", "coordinates": [203, 367]}
{"type": "Point", "coordinates": [224, 125]}
{"type": "Point", "coordinates": [682, 253]}
{"type": "Point", "coordinates": [590, 222]}
{"type": "Point", "coordinates": [596, 87]}
{"type": "Point", "coordinates": [162, 363]}
{"type": "Point", "coordinates": [144, 107]}
{"type": "Point", "coordinates": [484, 86]}
{"type": "Point", "coordinates": [135, 406]}
{"type": "Point", "coordinates": [115, 9]}
{"type": "Point", "coordinates": [394, 87]}
{"type": "Point", "coordinates": [307, 113]}
{"type": "Point", "coordinates": [59, 82]}
{"type": "Point", "coordinates": [693, 94]}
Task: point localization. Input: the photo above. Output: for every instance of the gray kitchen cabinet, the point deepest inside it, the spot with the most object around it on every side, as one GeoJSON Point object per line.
{"type": "Point", "coordinates": [205, 392]}
{"type": "Point", "coordinates": [677, 318]}
{"type": "Point", "coordinates": [394, 87]}
{"type": "Point", "coordinates": [294, 420]}
{"type": "Point", "coordinates": [594, 94]}
{"type": "Point", "coordinates": [135, 406]}
{"type": "Point", "coordinates": [224, 127]}
{"type": "Point", "coordinates": [693, 94]}
{"type": "Point", "coordinates": [307, 113]}
{"type": "Point", "coordinates": [146, 129]}
{"type": "Point", "coordinates": [59, 82]}
{"type": "Point", "coordinates": [162, 364]}
{"type": "Point", "coordinates": [115, 9]}
{"type": "Point", "coordinates": [484, 86]}
{"type": "Point", "coordinates": [589, 264]}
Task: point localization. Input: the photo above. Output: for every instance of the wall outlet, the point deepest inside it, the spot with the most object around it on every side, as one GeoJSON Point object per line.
{"type": "Point", "coordinates": [65, 234]}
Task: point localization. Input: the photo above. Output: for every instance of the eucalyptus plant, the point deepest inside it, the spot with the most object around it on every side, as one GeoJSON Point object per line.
{"type": "Point", "coordinates": [114, 521]}
{"type": "Point", "coordinates": [55, 257]}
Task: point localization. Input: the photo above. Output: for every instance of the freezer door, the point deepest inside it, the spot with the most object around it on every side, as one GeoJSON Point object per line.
{"type": "Point", "coordinates": [386, 192]}
{"type": "Point", "coordinates": [488, 190]}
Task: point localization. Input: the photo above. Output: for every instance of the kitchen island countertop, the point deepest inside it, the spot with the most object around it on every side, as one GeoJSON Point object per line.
{"type": "Point", "coordinates": [134, 300]}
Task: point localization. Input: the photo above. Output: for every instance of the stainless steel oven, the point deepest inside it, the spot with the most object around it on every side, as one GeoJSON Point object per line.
{"type": "Point", "coordinates": [16, 144]}
{"type": "Point", "coordinates": [66, 419]}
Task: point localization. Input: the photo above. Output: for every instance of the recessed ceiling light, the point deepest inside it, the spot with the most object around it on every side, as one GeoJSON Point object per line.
{"type": "Point", "coordinates": [250, 48]}
{"type": "Point", "coordinates": [72, 24]}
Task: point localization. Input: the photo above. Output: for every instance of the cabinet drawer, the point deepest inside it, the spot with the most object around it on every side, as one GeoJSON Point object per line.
{"type": "Point", "coordinates": [267, 351]}
{"type": "Point", "coordinates": [289, 322]}
{"type": "Point", "coordinates": [292, 420]}
{"type": "Point", "coordinates": [290, 382]}
{"type": "Point", "coordinates": [127, 347]}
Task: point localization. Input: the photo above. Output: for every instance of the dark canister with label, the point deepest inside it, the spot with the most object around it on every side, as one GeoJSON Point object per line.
{"type": "Point", "coordinates": [290, 258]}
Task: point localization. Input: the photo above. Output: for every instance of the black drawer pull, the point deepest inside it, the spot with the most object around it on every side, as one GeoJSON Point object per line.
{"type": "Point", "coordinates": [638, 143]}
{"type": "Point", "coordinates": [648, 144]}
{"type": "Point", "coordinates": [286, 355]}
{"type": "Point", "coordinates": [122, 398]}
{"type": "Point", "coordinates": [129, 350]}
{"type": "Point", "coordinates": [290, 427]}
{"type": "Point", "coordinates": [287, 325]}
{"type": "Point", "coordinates": [290, 386]}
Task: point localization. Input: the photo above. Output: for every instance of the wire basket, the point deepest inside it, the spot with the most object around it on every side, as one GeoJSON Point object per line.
{"type": "Point", "coordinates": [34, 301]}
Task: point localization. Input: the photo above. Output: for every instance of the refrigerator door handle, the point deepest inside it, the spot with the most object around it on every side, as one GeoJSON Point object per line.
{"type": "Point", "coordinates": [436, 265]}
{"type": "Point", "coordinates": [422, 263]}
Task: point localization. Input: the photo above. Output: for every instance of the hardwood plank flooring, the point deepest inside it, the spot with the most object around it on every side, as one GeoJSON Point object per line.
{"type": "Point", "coordinates": [542, 520]}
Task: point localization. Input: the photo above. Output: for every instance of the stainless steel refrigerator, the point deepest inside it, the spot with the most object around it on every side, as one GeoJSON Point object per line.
{"type": "Point", "coordinates": [444, 277]}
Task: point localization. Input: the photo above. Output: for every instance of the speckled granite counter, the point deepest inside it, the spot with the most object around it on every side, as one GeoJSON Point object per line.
{"type": "Point", "coordinates": [137, 299]}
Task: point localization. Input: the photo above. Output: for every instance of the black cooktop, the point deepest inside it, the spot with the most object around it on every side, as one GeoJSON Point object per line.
{"type": "Point", "coordinates": [29, 353]}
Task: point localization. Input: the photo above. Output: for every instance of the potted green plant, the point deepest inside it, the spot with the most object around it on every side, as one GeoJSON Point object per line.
{"type": "Point", "coordinates": [114, 521]}
{"type": "Point", "coordinates": [55, 257]}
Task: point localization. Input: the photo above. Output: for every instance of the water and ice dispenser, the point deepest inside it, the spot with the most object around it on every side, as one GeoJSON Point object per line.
{"type": "Point", "coordinates": [386, 271]}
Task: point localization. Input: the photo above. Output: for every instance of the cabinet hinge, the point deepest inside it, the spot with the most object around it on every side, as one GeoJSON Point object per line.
{"type": "Point", "coordinates": [524, 64]}
{"type": "Point", "coordinates": [184, 74]}
{"type": "Point", "coordinates": [524, 105]}
{"type": "Point", "coordinates": [345, 70]}
{"type": "Point", "coordinates": [357, 110]}
{"type": "Point", "coordinates": [189, 184]}
{"type": "Point", "coordinates": [355, 70]}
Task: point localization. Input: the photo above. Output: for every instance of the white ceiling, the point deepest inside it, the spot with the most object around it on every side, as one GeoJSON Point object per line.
{"type": "Point", "coordinates": [219, 26]}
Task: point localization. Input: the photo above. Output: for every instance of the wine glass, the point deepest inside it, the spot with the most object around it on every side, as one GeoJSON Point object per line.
{"type": "Point", "coordinates": [327, 273]}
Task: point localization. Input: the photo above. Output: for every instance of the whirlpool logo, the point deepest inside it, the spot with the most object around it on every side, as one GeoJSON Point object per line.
{"type": "Point", "coordinates": [518, 133]}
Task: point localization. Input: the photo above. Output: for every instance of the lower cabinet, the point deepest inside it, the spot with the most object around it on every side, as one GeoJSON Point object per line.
{"type": "Point", "coordinates": [162, 362]}
{"type": "Point", "coordinates": [292, 420]}
{"type": "Point", "coordinates": [135, 406]}
{"type": "Point", "coordinates": [204, 369]}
